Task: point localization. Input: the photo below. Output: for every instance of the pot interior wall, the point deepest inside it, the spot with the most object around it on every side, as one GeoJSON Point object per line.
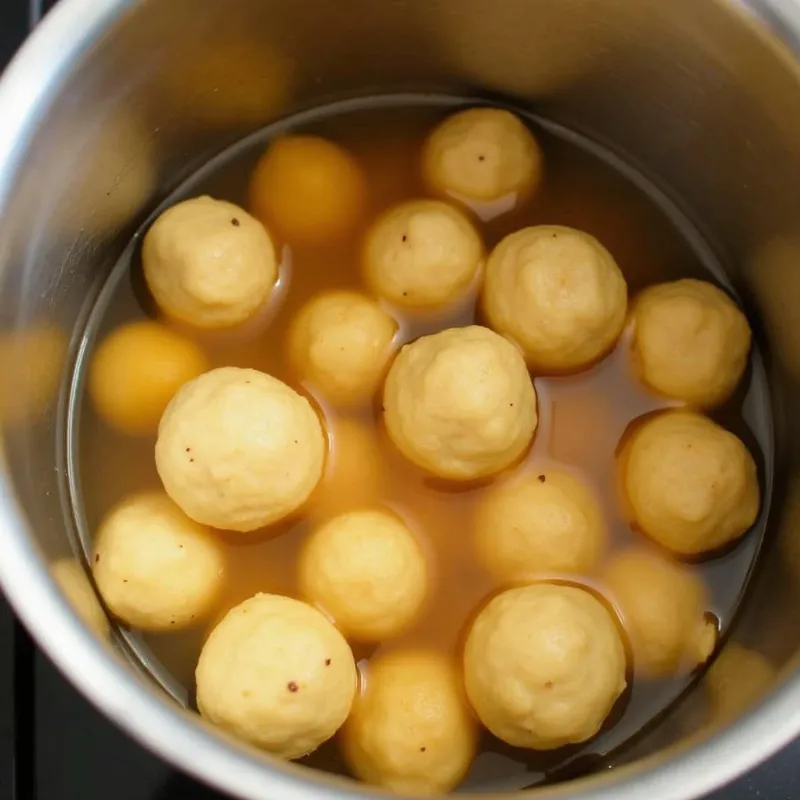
{"type": "Point", "coordinates": [690, 91]}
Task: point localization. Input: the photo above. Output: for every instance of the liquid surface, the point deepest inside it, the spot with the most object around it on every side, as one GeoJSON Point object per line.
{"type": "Point", "coordinates": [581, 418]}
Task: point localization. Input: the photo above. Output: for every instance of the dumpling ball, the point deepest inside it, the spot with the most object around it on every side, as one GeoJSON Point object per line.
{"type": "Point", "coordinates": [341, 342]}
{"type": "Point", "coordinates": [309, 190]}
{"type": "Point", "coordinates": [460, 403]}
{"type": "Point", "coordinates": [482, 154]}
{"type": "Point", "coordinates": [664, 610]}
{"type": "Point", "coordinates": [208, 263]}
{"type": "Point", "coordinates": [558, 293]}
{"type": "Point", "coordinates": [136, 371]}
{"type": "Point", "coordinates": [277, 674]}
{"type": "Point", "coordinates": [73, 582]}
{"type": "Point", "coordinates": [410, 730]}
{"type": "Point", "coordinates": [367, 570]}
{"type": "Point", "coordinates": [690, 341]}
{"type": "Point", "coordinates": [544, 665]}
{"type": "Point", "coordinates": [238, 449]}
{"type": "Point", "coordinates": [155, 568]}
{"type": "Point", "coordinates": [541, 522]}
{"type": "Point", "coordinates": [354, 470]}
{"type": "Point", "coordinates": [422, 254]}
{"type": "Point", "coordinates": [691, 486]}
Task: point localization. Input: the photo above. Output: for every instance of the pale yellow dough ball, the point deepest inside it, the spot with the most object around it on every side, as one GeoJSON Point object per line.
{"type": "Point", "coordinates": [73, 582]}
{"type": "Point", "coordinates": [690, 341]}
{"type": "Point", "coordinates": [541, 522]}
{"type": "Point", "coordinates": [558, 293]}
{"type": "Point", "coordinates": [663, 608]}
{"type": "Point", "coordinates": [691, 485]}
{"type": "Point", "coordinates": [410, 730]}
{"type": "Point", "coordinates": [155, 568]}
{"type": "Point", "coordinates": [482, 154]}
{"type": "Point", "coordinates": [367, 571]}
{"type": "Point", "coordinates": [341, 342]}
{"type": "Point", "coordinates": [238, 449]}
{"type": "Point", "coordinates": [136, 371]}
{"type": "Point", "coordinates": [460, 403]}
{"type": "Point", "coordinates": [422, 253]}
{"type": "Point", "coordinates": [354, 471]}
{"type": "Point", "coordinates": [544, 665]}
{"type": "Point", "coordinates": [277, 674]}
{"type": "Point", "coordinates": [209, 263]}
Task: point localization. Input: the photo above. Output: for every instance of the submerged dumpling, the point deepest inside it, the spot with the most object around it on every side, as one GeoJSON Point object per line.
{"type": "Point", "coordinates": [366, 570]}
{"type": "Point", "coordinates": [541, 522]}
{"type": "Point", "coordinates": [410, 730]}
{"type": "Point", "coordinates": [664, 609]}
{"type": "Point", "coordinates": [340, 342]}
{"type": "Point", "coordinates": [309, 190]}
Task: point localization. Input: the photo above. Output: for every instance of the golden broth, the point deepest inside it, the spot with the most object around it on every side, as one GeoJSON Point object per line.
{"type": "Point", "coordinates": [582, 417]}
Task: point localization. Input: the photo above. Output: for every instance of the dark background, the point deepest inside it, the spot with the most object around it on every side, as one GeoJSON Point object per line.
{"type": "Point", "coordinates": [55, 746]}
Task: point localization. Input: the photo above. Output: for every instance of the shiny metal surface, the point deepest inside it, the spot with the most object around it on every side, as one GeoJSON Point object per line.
{"type": "Point", "coordinates": [112, 102]}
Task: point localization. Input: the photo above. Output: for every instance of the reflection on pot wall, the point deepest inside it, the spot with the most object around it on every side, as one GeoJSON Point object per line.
{"type": "Point", "coordinates": [683, 90]}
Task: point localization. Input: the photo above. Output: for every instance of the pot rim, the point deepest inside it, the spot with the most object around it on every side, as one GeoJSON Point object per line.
{"type": "Point", "coordinates": [26, 88]}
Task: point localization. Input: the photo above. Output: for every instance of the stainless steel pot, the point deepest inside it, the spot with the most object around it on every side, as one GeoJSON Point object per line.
{"type": "Point", "coordinates": [111, 102]}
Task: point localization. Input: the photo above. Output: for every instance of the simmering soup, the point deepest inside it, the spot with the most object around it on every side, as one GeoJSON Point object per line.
{"type": "Point", "coordinates": [570, 490]}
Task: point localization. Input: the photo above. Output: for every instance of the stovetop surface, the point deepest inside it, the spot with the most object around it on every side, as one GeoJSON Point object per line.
{"type": "Point", "coordinates": [55, 746]}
